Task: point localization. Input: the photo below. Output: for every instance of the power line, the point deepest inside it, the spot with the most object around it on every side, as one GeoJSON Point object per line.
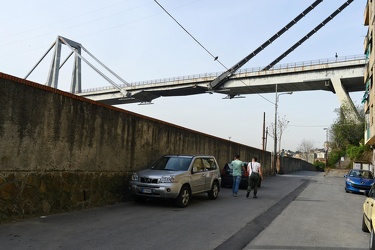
{"type": "Point", "coordinates": [309, 126]}
{"type": "Point", "coordinates": [323, 126]}
{"type": "Point", "coordinates": [216, 58]}
{"type": "Point", "coordinates": [71, 18]}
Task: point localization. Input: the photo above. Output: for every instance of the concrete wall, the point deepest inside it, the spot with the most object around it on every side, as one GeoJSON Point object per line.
{"type": "Point", "coordinates": [290, 164]}
{"type": "Point", "coordinates": [60, 152]}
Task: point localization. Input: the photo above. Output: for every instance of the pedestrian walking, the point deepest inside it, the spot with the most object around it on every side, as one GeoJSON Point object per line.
{"type": "Point", "coordinates": [237, 166]}
{"type": "Point", "coordinates": [255, 175]}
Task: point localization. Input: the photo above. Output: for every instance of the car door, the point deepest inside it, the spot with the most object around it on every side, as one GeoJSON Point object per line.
{"type": "Point", "coordinates": [210, 170]}
{"type": "Point", "coordinates": [369, 205]}
{"type": "Point", "coordinates": [198, 176]}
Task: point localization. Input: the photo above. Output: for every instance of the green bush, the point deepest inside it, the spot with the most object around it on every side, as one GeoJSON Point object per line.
{"type": "Point", "coordinates": [334, 156]}
{"type": "Point", "coordinates": [356, 152]}
{"type": "Point", "coordinates": [319, 165]}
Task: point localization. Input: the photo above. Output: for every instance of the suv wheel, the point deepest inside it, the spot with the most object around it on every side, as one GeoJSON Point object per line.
{"type": "Point", "coordinates": [184, 197]}
{"type": "Point", "coordinates": [214, 192]}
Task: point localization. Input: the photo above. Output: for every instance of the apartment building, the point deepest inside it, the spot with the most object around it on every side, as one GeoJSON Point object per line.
{"type": "Point", "coordinates": [369, 96]}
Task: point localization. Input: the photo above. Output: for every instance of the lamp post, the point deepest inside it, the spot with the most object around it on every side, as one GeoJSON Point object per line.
{"type": "Point", "coordinates": [275, 132]}
{"type": "Point", "coordinates": [326, 146]}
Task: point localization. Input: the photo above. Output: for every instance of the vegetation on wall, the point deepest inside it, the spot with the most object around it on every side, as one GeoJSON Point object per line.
{"type": "Point", "coordinates": [319, 165]}
{"type": "Point", "coordinates": [335, 156]}
{"type": "Point", "coordinates": [346, 135]}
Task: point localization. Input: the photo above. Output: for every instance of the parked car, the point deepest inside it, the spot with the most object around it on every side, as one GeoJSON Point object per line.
{"type": "Point", "coordinates": [368, 218]}
{"type": "Point", "coordinates": [177, 177]}
{"type": "Point", "coordinates": [227, 176]}
{"type": "Point", "coordinates": [358, 181]}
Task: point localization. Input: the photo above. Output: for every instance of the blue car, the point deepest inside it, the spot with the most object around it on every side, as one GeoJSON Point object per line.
{"type": "Point", "coordinates": [358, 181]}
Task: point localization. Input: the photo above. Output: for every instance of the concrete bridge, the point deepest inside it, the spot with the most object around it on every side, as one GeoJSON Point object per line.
{"type": "Point", "coordinates": [339, 75]}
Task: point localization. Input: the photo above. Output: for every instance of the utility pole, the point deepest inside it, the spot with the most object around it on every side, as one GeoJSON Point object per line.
{"type": "Point", "coordinates": [326, 146]}
{"type": "Point", "coordinates": [275, 131]}
{"type": "Point", "coordinates": [263, 138]}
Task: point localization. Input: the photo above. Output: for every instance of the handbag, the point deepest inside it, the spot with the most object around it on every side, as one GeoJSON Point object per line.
{"type": "Point", "coordinates": [252, 172]}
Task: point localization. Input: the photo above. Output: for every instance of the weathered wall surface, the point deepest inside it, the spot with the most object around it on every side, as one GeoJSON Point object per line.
{"type": "Point", "coordinates": [290, 164]}
{"type": "Point", "coordinates": [60, 152]}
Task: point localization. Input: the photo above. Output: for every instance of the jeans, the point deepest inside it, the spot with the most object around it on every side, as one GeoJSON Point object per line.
{"type": "Point", "coordinates": [236, 183]}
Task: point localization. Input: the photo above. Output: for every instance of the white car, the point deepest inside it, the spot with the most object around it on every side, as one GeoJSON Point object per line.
{"type": "Point", "coordinates": [177, 177]}
{"type": "Point", "coordinates": [368, 219]}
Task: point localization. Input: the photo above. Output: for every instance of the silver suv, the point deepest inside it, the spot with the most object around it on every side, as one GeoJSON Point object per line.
{"type": "Point", "coordinates": [177, 177]}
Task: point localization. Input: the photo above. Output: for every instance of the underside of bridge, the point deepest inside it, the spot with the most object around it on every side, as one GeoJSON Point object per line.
{"type": "Point", "coordinates": [340, 76]}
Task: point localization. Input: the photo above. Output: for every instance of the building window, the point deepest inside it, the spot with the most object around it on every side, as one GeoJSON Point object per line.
{"type": "Point", "coordinates": [367, 91]}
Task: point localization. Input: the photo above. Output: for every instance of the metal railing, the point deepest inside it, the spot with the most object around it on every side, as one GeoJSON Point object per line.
{"type": "Point", "coordinates": [241, 71]}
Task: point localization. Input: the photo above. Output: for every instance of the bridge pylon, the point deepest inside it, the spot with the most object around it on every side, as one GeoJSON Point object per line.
{"type": "Point", "coordinates": [76, 83]}
{"type": "Point", "coordinates": [53, 75]}
{"type": "Point", "coordinates": [345, 99]}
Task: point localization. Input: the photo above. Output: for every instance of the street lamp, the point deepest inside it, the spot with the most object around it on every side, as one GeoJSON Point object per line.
{"type": "Point", "coordinates": [326, 145]}
{"type": "Point", "coordinates": [275, 132]}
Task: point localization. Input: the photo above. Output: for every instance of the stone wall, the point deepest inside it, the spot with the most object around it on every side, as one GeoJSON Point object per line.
{"type": "Point", "coordinates": [28, 193]}
{"type": "Point", "coordinates": [290, 164]}
{"type": "Point", "coordinates": [60, 152]}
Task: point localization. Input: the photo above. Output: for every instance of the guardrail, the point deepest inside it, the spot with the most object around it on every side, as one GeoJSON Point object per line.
{"type": "Point", "coordinates": [241, 71]}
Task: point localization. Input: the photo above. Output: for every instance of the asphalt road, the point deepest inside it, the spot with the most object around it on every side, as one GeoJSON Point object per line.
{"type": "Point", "coordinates": [323, 216]}
{"type": "Point", "coordinates": [304, 210]}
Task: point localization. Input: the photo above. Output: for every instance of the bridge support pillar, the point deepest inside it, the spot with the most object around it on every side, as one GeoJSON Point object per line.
{"type": "Point", "coordinates": [53, 75]}
{"type": "Point", "coordinates": [75, 86]}
{"type": "Point", "coordinates": [344, 98]}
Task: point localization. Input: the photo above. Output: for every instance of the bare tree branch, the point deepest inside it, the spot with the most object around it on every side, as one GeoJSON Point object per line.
{"type": "Point", "coordinates": [305, 147]}
{"type": "Point", "coordinates": [282, 125]}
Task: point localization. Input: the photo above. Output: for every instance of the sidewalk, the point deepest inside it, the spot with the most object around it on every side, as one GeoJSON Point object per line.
{"type": "Point", "coordinates": [323, 216]}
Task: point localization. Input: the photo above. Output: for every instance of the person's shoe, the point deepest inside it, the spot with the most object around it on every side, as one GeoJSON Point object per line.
{"type": "Point", "coordinates": [247, 194]}
{"type": "Point", "coordinates": [235, 194]}
{"type": "Point", "coordinates": [254, 196]}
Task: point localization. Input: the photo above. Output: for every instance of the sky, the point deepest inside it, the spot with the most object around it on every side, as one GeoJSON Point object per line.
{"type": "Point", "coordinates": [139, 41]}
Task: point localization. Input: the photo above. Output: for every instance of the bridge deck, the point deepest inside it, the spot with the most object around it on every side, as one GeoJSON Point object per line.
{"type": "Point", "coordinates": [305, 76]}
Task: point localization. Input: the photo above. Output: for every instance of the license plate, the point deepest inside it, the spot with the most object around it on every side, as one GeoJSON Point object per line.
{"type": "Point", "coordinates": [146, 190]}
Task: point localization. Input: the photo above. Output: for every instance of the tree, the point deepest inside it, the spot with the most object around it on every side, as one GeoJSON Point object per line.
{"type": "Point", "coordinates": [345, 130]}
{"type": "Point", "coordinates": [282, 125]}
{"type": "Point", "coordinates": [346, 134]}
{"type": "Point", "coordinates": [305, 147]}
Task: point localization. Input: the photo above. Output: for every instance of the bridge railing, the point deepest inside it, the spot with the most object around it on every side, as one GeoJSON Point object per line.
{"type": "Point", "coordinates": [305, 63]}
{"type": "Point", "coordinates": [240, 71]}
